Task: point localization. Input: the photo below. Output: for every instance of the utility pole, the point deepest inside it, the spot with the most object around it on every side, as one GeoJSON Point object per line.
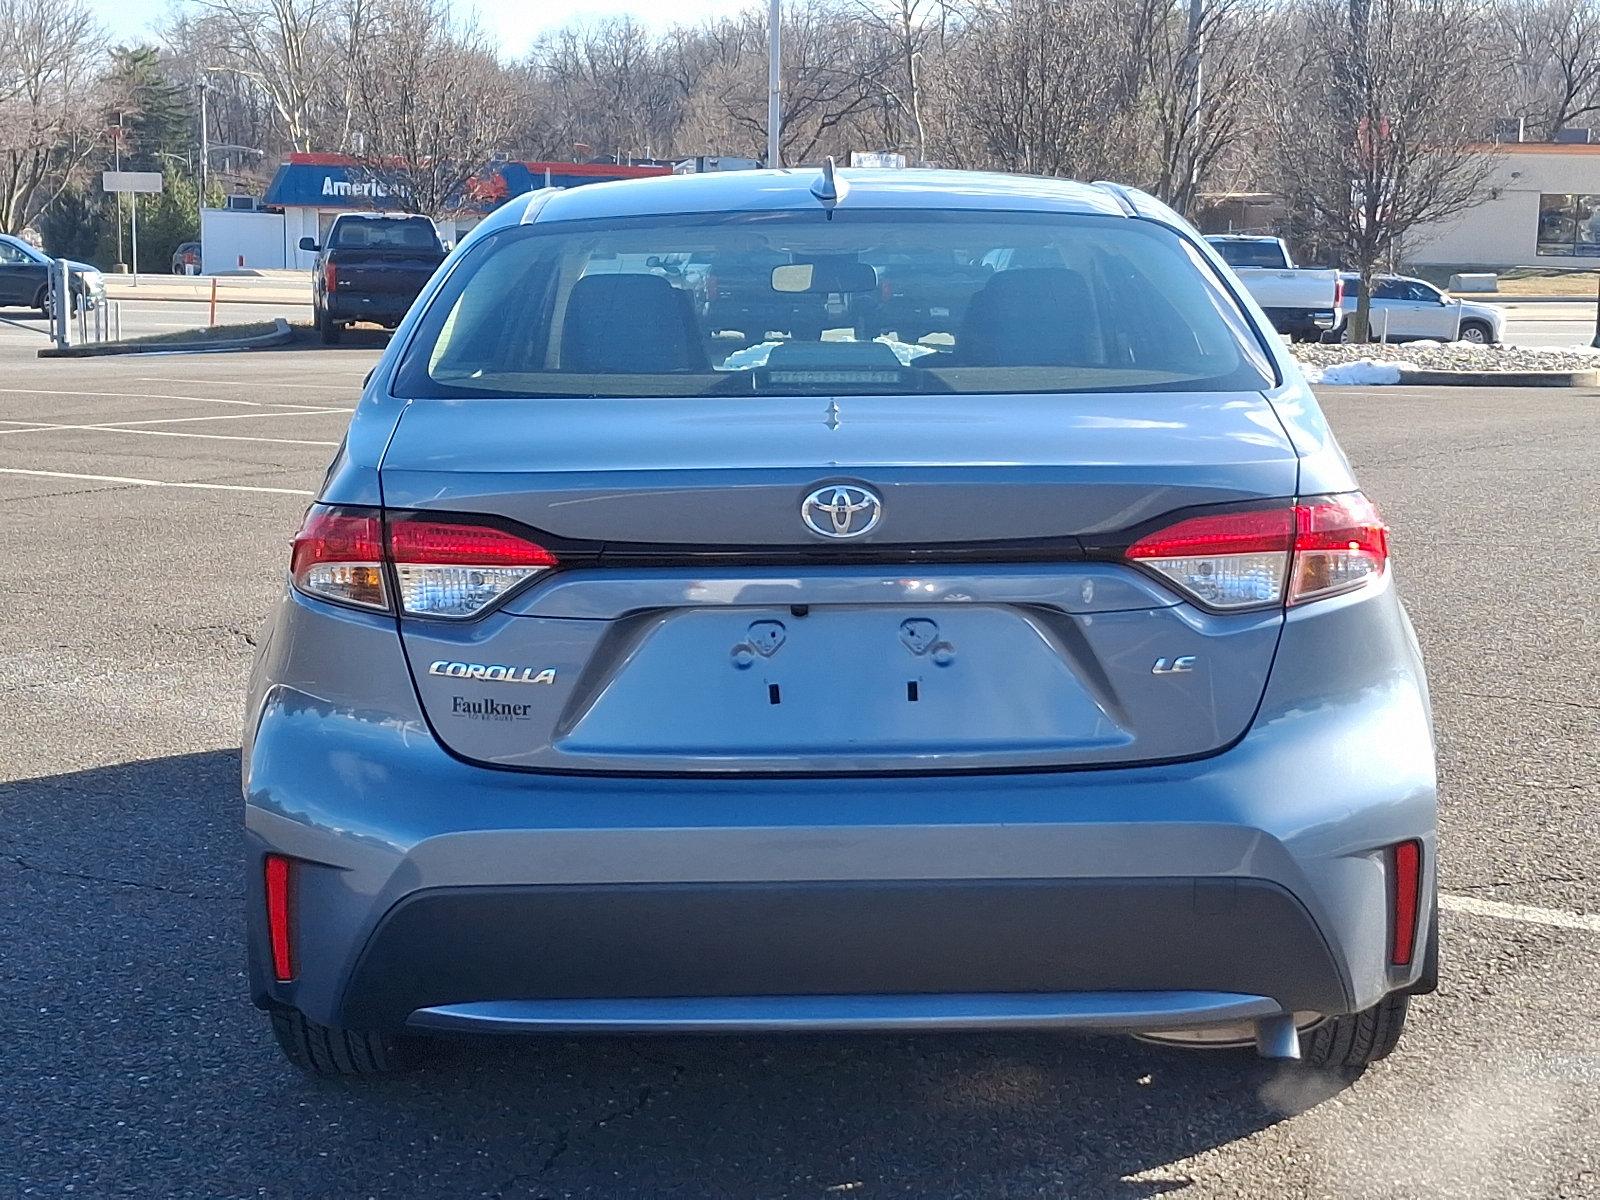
{"type": "Point", "coordinates": [205, 142]}
{"type": "Point", "coordinates": [774, 84]}
{"type": "Point", "coordinates": [116, 144]}
{"type": "Point", "coordinates": [1196, 93]}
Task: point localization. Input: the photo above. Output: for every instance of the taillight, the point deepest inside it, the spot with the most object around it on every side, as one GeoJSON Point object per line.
{"type": "Point", "coordinates": [886, 290]}
{"type": "Point", "coordinates": [711, 287]}
{"type": "Point", "coordinates": [1318, 547]}
{"type": "Point", "coordinates": [442, 568]}
{"type": "Point", "coordinates": [277, 893]}
{"type": "Point", "coordinates": [330, 277]}
{"type": "Point", "coordinates": [1340, 544]}
{"type": "Point", "coordinates": [1223, 560]}
{"type": "Point", "coordinates": [338, 555]}
{"type": "Point", "coordinates": [1405, 866]}
{"type": "Point", "coordinates": [450, 570]}
{"type": "Point", "coordinates": [1338, 291]}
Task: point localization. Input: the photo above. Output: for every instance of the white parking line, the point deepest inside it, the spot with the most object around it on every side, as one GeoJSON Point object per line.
{"type": "Point", "coordinates": [209, 487]}
{"type": "Point", "coordinates": [214, 437]}
{"type": "Point", "coordinates": [256, 383]}
{"type": "Point", "coordinates": [46, 426]}
{"type": "Point", "coordinates": [1526, 914]}
{"type": "Point", "coordinates": [151, 396]}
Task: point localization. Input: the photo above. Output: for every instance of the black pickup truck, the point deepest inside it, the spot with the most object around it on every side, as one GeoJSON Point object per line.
{"type": "Point", "coordinates": [371, 269]}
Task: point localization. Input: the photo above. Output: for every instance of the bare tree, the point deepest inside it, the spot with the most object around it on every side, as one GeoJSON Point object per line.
{"type": "Point", "coordinates": [1206, 63]}
{"type": "Point", "coordinates": [49, 107]}
{"type": "Point", "coordinates": [434, 104]}
{"type": "Point", "coordinates": [287, 48]}
{"type": "Point", "coordinates": [1377, 130]}
{"type": "Point", "coordinates": [831, 65]}
{"type": "Point", "coordinates": [1555, 58]}
{"type": "Point", "coordinates": [1045, 87]}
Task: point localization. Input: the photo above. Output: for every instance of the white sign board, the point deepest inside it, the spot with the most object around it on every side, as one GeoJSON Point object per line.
{"type": "Point", "coordinates": [130, 181]}
{"type": "Point", "coordinates": [874, 158]}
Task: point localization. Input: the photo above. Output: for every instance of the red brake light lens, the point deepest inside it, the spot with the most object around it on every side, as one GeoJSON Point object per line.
{"type": "Point", "coordinates": [438, 543]}
{"type": "Point", "coordinates": [1290, 554]}
{"type": "Point", "coordinates": [338, 555]}
{"type": "Point", "coordinates": [277, 890]}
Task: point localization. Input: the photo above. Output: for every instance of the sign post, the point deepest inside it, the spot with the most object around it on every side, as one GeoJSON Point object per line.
{"type": "Point", "coordinates": [134, 183]}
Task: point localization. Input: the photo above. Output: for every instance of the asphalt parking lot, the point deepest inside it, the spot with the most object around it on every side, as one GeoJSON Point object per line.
{"type": "Point", "coordinates": [146, 506]}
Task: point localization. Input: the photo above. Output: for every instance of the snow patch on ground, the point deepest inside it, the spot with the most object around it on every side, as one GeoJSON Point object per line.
{"type": "Point", "coordinates": [1364, 372]}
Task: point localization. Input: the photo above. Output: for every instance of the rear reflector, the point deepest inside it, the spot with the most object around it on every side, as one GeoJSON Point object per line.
{"type": "Point", "coordinates": [1406, 867]}
{"type": "Point", "coordinates": [1318, 547]}
{"type": "Point", "coordinates": [277, 878]}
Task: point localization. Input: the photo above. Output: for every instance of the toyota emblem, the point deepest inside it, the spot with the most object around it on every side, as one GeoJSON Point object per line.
{"type": "Point", "coordinates": [841, 510]}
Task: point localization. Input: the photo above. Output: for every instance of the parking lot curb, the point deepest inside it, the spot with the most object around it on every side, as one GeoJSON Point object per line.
{"type": "Point", "coordinates": [1501, 378]}
{"type": "Point", "coordinates": [283, 333]}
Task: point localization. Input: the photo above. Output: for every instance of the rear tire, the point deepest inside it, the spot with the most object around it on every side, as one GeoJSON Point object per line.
{"type": "Point", "coordinates": [1352, 1043]}
{"type": "Point", "coordinates": [41, 301]}
{"type": "Point", "coordinates": [330, 1052]}
{"type": "Point", "coordinates": [328, 328]}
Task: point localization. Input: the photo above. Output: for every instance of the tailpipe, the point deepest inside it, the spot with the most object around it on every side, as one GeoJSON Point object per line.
{"type": "Point", "coordinates": [1277, 1037]}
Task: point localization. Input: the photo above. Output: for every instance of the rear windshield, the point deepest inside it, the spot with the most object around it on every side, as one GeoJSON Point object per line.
{"type": "Point", "coordinates": [1251, 254]}
{"type": "Point", "coordinates": [379, 233]}
{"type": "Point", "coordinates": [801, 304]}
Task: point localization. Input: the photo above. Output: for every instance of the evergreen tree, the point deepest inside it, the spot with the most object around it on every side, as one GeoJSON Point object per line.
{"type": "Point", "coordinates": [156, 115]}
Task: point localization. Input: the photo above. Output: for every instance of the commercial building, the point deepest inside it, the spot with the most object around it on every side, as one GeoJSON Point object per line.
{"type": "Point", "coordinates": [310, 190]}
{"type": "Point", "coordinates": [1543, 210]}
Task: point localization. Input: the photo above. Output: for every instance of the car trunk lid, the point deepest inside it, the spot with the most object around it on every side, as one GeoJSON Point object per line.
{"type": "Point", "coordinates": [697, 625]}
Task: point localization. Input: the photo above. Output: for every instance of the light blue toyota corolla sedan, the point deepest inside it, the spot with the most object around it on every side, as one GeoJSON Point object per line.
{"type": "Point", "coordinates": [839, 600]}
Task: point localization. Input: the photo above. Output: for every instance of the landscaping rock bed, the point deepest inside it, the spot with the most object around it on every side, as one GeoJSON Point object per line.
{"type": "Point", "coordinates": [1380, 364]}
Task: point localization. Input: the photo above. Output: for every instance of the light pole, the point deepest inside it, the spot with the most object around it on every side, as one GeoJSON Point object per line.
{"type": "Point", "coordinates": [774, 84]}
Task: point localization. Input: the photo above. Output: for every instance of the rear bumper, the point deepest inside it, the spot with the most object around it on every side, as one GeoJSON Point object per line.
{"type": "Point", "coordinates": [776, 952]}
{"type": "Point", "coordinates": [432, 892]}
{"type": "Point", "coordinates": [382, 308]}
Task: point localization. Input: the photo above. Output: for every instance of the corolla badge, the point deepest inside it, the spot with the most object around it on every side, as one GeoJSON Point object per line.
{"type": "Point", "coordinates": [492, 672]}
{"type": "Point", "coordinates": [841, 510]}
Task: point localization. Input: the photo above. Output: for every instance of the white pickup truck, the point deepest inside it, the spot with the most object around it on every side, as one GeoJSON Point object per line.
{"type": "Point", "coordinates": [1301, 303]}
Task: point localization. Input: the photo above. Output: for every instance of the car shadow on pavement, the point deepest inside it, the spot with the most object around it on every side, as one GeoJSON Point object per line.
{"type": "Point", "coordinates": [139, 1057]}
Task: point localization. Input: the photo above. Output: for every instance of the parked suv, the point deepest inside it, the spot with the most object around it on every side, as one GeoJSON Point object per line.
{"type": "Point", "coordinates": [1049, 676]}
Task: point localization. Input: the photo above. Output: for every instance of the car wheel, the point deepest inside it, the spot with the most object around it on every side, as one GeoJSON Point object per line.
{"type": "Point", "coordinates": [41, 301]}
{"type": "Point", "coordinates": [332, 1052]}
{"type": "Point", "coordinates": [328, 328]}
{"type": "Point", "coordinates": [1354, 1042]}
{"type": "Point", "coordinates": [1477, 333]}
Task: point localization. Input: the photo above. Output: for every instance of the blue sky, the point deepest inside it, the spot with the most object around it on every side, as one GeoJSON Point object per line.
{"type": "Point", "coordinates": [517, 22]}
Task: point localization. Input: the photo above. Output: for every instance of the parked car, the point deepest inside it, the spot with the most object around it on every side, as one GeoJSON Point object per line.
{"type": "Point", "coordinates": [1301, 302]}
{"type": "Point", "coordinates": [372, 268]}
{"type": "Point", "coordinates": [1053, 677]}
{"type": "Point", "coordinates": [187, 255]}
{"type": "Point", "coordinates": [1405, 310]}
{"type": "Point", "coordinates": [25, 279]}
